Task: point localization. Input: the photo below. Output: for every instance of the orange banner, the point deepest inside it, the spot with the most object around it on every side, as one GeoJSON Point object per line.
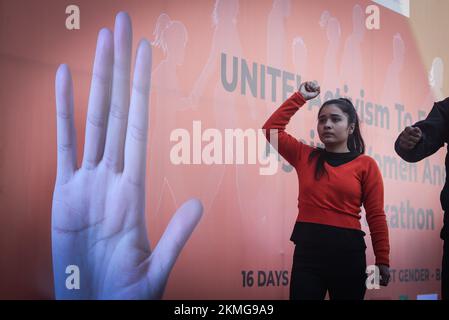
{"type": "Point", "coordinates": [220, 68]}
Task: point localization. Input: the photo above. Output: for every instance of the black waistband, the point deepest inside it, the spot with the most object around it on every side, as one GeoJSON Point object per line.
{"type": "Point", "coordinates": [319, 238]}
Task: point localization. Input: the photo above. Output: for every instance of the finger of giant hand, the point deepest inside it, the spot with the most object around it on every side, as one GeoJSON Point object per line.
{"type": "Point", "coordinates": [66, 135]}
{"type": "Point", "coordinates": [99, 100]}
{"type": "Point", "coordinates": [137, 131]}
{"type": "Point", "coordinates": [170, 245]}
{"type": "Point", "coordinates": [118, 113]}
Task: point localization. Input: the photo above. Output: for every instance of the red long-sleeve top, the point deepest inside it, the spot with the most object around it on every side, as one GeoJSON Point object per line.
{"type": "Point", "coordinates": [336, 198]}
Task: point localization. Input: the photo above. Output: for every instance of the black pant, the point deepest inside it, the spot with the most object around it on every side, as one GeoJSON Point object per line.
{"type": "Point", "coordinates": [445, 272]}
{"type": "Point", "coordinates": [328, 259]}
{"type": "Point", "coordinates": [313, 275]}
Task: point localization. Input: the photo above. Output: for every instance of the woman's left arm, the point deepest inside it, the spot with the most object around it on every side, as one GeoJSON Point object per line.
{"type": "Point", "coordinates": [373, 202]}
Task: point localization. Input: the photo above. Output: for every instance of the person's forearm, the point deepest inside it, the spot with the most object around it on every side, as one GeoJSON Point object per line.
{"type": "Point", "coordinates": [274, 128]}
{"type": "Point", "coordinates": [380, 239]}
{"type": "Point", "coordinates": [428, 145]}
{"type": "Point", "coordinates": [281, 117]}
{"type": "Point", "coordinates": [434, 134]}
{"type": "Point", "coordinates": [414, 155]}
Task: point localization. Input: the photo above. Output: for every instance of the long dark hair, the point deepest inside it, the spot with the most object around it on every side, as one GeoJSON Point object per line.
{"type": "Point", "coordinates": [355, 140]}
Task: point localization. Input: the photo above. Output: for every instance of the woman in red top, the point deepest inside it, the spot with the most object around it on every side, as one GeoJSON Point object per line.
{"type": "Point", "coordinates": [334, 183]}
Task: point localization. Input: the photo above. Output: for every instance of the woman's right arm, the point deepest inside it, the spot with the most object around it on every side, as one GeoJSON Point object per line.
{"type": "Point", "coordinates": [274, 128]}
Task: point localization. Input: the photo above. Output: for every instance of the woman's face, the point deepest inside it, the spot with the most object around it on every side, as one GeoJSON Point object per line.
{"type": "Point", "coordinates": [333, 127]}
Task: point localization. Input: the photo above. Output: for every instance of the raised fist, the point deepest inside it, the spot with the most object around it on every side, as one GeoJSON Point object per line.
{"type": "Point", "coordinates": [309, 90]}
